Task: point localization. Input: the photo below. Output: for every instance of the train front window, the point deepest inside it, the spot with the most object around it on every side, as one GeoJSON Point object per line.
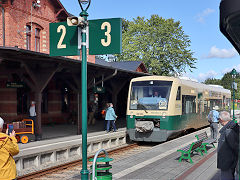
{"type": "Point", "coordinates": [150, 95]}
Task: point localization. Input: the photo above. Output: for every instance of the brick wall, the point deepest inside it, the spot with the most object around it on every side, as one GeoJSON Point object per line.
{"type": "Point", "coordinates": [22, 13]}
{"type": "Point", "coordinates": [17, 16]}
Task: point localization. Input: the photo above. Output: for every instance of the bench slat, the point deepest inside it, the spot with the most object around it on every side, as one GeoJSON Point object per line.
{"type": "Point", "coordinates": [206, 140]}
{"type": "Point", "coordinates": [187, 150]}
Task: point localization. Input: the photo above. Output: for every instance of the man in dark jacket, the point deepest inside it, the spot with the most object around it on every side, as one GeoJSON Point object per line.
{"type": "Point", "coordinates": [227, 156]}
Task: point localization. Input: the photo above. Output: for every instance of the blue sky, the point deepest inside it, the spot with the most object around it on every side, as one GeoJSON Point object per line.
{"type": "Point", "coordinates": [199, 18]}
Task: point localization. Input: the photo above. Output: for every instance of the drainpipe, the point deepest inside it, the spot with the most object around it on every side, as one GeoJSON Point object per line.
{"type": "Point", "coordinates": [3, 24]}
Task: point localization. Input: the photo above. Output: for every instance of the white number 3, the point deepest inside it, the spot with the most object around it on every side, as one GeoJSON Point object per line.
{"type": "Point", "coordinates": [107, 33]}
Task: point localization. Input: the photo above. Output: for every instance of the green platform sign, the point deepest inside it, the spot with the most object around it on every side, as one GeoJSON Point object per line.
{"type": "Point", "coordinates": [63, 39]}
{"type": "Point", "coordinates": [105, 36]}
{"type": "Point", "coordinates": [98, 89]}
{"type": "Point", "coordinates": [14, 84]}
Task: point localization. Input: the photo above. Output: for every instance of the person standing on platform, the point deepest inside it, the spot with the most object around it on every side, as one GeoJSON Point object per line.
{"type": "Point", "coordinates": [227, 151]}
{"type": "Point", "coordinates": [91, 113]}
{"type": "Point", "coordinates": [103, 112]}
{"type": "Point", "coordinates": [110, 117]}
{"type": "Point", "coordinates": [33, 115]}
{"type": "Point", "coordinates": [8, 149]}
{"type": "Point", "coordinates": [213, 120]}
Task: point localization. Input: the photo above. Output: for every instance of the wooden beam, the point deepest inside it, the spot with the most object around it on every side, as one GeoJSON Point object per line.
{"type": "Point", "coordinates": [105, 79]}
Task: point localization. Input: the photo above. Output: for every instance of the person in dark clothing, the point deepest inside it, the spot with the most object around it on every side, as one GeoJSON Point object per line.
{"type": "Point", "coordinates": [227, 152]}
{"type": "Point", "coordinates": [91, 113]}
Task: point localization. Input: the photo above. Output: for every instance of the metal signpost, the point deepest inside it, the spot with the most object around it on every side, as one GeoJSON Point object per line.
{"type": "Point", "coordinates": [234, 73]}
{"type": "Point", "coordinates": [84, 171]}
{"type": "Point", "coordinates": [105, 37]}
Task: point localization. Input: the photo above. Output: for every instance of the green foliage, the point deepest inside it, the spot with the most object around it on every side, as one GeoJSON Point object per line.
{"type": "Point", "coordinates": [227, 81]}
{"type": "Point", "coordinates": [212, 81]}
{"type": "Point", "coordinates": [160, 43]}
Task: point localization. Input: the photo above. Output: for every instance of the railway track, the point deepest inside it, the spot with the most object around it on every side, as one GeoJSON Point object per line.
{"type": "Point", "coordinates": [72, 170]}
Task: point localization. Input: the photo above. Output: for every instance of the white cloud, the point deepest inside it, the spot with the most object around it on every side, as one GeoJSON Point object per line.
{"type": "Point", "coordinates": [201, 16]}
{"type": "Point", "coordinates": [187, 76]}
{"type": "Point", "coordinates": [210, 74]}
{"type": "Point", "coordinates": [229, 69]}
{"type": "Point", "coordinates": [221, 53]}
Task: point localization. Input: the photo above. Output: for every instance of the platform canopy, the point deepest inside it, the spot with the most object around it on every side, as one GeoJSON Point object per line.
{"type": "Point", "coordinates": [230, 21]}
{"type": "Point", "coordinates": [14, 57]}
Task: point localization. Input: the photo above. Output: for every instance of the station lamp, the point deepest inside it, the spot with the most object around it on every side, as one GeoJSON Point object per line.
{"type": "Point", "coordinates": [85, 3]}
{"type": "Point", "coordinates": [233, 73]}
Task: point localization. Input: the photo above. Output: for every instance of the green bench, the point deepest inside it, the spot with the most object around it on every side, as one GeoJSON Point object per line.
{"type": "Point", "coordinates": [205, 140]}
{"type": "Point", "coordinates": [188, 150]}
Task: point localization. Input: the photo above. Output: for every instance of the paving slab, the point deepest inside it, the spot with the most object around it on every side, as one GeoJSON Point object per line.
{"type": "Point", "coordinates": [161, 162]}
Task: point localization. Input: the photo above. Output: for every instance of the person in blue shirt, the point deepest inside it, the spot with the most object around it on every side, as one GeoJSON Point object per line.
{"type": "Point", "coordinates": [213, 117]}
{"type": "Point", "coordinates": [110, 117]}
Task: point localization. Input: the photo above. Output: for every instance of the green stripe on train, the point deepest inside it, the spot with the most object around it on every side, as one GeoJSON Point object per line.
{"type": "Point", "coordinates": [173, 122]}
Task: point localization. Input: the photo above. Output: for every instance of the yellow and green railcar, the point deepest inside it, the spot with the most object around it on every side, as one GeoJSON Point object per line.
{"type": "Point", "coordinates": [161, 107]}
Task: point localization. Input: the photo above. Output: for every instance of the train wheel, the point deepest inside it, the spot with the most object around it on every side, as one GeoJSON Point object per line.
{"type": "Point", "coordinates": [24, 139]}
{"type": "Point", "coordinates": [18, 138]}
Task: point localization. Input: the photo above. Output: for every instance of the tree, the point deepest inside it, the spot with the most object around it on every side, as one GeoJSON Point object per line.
{"type": "Point", "coordinates": [160, 43]}
{"type": "Point", "coordinates": [227, 81]}
{"type": "Point", "coordinates": [213, 81]}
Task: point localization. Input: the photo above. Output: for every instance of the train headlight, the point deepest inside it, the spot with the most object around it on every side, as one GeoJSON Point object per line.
{"type": "Point", "coordinates": [163, 115]}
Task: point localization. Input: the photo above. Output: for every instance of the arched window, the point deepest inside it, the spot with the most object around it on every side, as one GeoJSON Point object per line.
{"type": "Point", "coordinates": [28, 30]}
{"type": "Point", "coordinates": [37, 40]}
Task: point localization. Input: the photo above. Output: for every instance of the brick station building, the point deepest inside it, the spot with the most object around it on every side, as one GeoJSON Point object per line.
{"type": "Point", "coordinates": [28, 73]}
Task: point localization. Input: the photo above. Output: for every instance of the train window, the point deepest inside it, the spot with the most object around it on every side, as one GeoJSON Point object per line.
{"type": "Point", "coordinates": [188, 104]}
{"type": "Point", "coordinates": [215, 102]}
{"type": "Point", "coordinates": [150, 95]}
{"type": "Point", "coordinates": [178, 93]}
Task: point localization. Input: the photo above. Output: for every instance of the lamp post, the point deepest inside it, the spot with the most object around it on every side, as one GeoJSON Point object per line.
{"type": "Point", "coordinates": [84, 14]}
{"type": "Point", "coordinates": [233, 73]}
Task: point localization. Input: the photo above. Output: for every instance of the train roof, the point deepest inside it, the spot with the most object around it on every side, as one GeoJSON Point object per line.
{"type": "Point", "coordinates": [199, 86]}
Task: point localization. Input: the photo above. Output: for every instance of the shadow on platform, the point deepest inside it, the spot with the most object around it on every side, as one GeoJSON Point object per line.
{"type": "Point", "coordinates": [62, 130]}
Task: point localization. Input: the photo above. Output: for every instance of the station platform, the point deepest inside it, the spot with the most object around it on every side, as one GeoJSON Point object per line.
{"type": "Point", "coordinates": [161, 162]}
{"type": "Point", "coordinates": [61, 145]}
{"type": "Point", "coordinates": [52, 131]}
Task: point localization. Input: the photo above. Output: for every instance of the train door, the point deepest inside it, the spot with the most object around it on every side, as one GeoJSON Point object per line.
{"type": "Point", "coordinates": [189, 110]}
{"type": "Point", "coordinates": [200, 105]}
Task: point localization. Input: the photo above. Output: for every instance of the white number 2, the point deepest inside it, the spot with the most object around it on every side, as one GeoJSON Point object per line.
{"type": "Point", "coordinates": [107, 33]}
{"type": "Point", "coordinates": [60, 44]}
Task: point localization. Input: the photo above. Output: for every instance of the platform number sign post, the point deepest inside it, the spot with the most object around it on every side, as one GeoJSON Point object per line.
{"type": "Point", "coordinates": [105, 36]}
{"type": "Point", "coordinates": [63, 39]}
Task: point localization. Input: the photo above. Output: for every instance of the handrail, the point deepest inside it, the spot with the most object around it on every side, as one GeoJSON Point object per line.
{"type": "Point", "coordinates": [94, 162]}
